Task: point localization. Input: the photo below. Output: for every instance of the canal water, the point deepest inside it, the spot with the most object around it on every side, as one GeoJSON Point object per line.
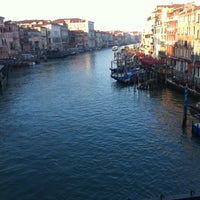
{"type": "Point", "coordinates": [70, 132]}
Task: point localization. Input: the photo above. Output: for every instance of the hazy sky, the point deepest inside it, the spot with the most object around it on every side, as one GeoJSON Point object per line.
{"type": "Point", "coordinates": [126, 15]}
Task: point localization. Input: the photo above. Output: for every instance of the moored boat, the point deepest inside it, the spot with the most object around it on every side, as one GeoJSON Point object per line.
{"type": "Point", "coordinates": [128, 76]}
{"type": "Point", "coordinates": [115, 48]}
{"type": "Point", "coordinates": [123, 67]}
{"type": "Point", "coordinates": [20, 62]}
{"type": "Point", "coordinates": [196, 128]}
{"type": "Point", "coordinates": [55, 54]}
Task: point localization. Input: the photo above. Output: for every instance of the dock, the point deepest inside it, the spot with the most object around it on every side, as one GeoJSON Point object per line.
{"type": "Point", "coordinates": [170, 83]}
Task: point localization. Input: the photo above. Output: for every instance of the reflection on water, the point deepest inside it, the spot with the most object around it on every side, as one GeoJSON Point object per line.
{"type": "Point", "coordinates": [68, 131]}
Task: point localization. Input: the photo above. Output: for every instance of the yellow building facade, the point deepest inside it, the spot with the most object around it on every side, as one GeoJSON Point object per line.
{"type": "Point", "coordinates": [176, 36]}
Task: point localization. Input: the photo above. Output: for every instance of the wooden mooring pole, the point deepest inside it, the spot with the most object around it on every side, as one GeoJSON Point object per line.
{"type": "Point", "coordinates": [185, 106]}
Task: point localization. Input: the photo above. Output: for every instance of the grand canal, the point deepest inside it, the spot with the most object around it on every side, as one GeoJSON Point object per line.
{"type": "Point", "coordinates": [70, 132]}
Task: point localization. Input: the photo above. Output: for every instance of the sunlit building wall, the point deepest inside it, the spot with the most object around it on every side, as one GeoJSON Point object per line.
{"type": "Point", "coordinates": [185, 38]}
{"type": "Point", "coordinates": [196, 43]}
{"type": "Point", "coordinates": [77, 24]}
{"type": "Point", "coordinates": [147, 35]}
{"type": "Point", "coordinates": [172, 32]}
{"type": "Point", "coordinates": [64, 33]}
{"type": "Point", "coordinates": [43, 38]}
{"type": "Point", "coordinates": [11, 35]}
{"type": "Point", "coordinates": [54, 36]}
{"type": "Point", "coordinates": [3, 46]}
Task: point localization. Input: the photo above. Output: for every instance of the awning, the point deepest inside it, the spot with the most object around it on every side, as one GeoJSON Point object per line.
{"type": "Point", "coordinates": [139, 54]}
{"type": "Point", "coordinates": [180, 59]}
{"type": "Point", "coordinates": [152, 61]}
{"type": "Point", "coordinates": [173, 57]}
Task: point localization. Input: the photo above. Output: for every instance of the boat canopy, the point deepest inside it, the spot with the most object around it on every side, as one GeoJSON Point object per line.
{"type": "Point", "coordinates": [139, 54]}
{"type": "Point", "coordinates": [152, 61]}
{"type": "Point", "coordinates": [132, 70]}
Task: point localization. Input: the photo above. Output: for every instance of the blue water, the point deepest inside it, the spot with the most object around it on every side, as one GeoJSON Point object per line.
{"type": "Point", "coordinates": [70, 132]}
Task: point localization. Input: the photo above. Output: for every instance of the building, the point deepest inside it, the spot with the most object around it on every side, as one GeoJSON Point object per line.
{"type": "Point", "coordinates": [3, 43]}
{"type": "Point", "coordinates": [77, 24]}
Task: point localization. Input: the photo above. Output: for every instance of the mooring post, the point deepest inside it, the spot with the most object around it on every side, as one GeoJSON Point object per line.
{"type": "Point", "coordinates": [185, 106]}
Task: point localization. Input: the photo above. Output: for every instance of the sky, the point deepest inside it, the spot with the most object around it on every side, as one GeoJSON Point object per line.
{"type": "Point", "coordinates": [124, 15]}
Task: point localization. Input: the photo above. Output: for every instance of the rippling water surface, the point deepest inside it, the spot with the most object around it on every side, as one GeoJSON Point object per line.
{"type": "Point", "coordinates": [70, 132]}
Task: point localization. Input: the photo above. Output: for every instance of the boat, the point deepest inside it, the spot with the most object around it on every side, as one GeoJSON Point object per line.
{"type": "Point", "coordinates": [115, 48]}
{"type": "Point", "coordinates": [30, 59]}
{"type": "Point", "coordinates": [13, 62]}
{"type": "Point", "coordinates": [127, 76]}
{"type": "Point", "coordinates": [55, 54]}
{"type": "Point", "coordinates": [196, 128]}
{"type": "Point", "coordinates": [124, 69]}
